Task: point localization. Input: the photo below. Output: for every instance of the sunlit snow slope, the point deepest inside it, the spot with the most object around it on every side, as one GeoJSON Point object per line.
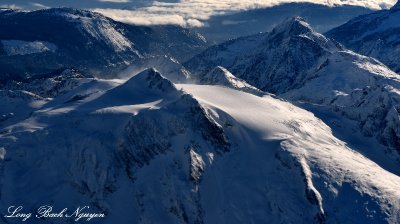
{"type": "Point", "coordinates": [146, 150]}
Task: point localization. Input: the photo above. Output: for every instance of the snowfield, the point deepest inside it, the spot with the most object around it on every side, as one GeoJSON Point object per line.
{"type": "Point", "coordinates": [146, 150]}
{"type": "Point", "coordinates": [332, 173]}
{"type": "Point", "coordinates": [301, 65]}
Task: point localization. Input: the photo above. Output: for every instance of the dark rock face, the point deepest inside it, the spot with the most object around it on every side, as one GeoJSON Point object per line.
{"type": "Point", "coordinates": [49, 85]}
{"type": "Point", "coordinates": [148, 134]}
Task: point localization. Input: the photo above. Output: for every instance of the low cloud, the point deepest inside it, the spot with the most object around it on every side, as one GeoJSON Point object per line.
{"type": "Point", "coordinates": [194, 13]}
{"type": "Point", "coordinates": [147, 18]}
{"type": "Point", "coordinates": [10, 6]}
{"type": "Point", "coordinates": [39, 5]}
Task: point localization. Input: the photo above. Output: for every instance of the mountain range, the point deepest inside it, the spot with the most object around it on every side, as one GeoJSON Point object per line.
{"type": "Point", "coordinates": [301, 65]}
{"type": "Point", "coordinates": [42, 41]}
{"type": "Point", "coordinates": [285, 126]}
{"type": "Point", "coordinates": [221, 28]}
{"type": "Point", "coordinates": [150, 150]}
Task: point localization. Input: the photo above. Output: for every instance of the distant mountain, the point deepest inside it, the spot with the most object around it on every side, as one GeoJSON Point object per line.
{"type": "Point", "coordinates": [45, 40]}
{"type": "Point", "coordinates": [323, 18]}
{"type": "Point", "coordinates": [376, 35]}
{"type": "Point", "coordinates": [169, 67]}
{"type": "Point", "coordinates": [274, 62]}
{"type": "Point", "coordinates": [302, 65]}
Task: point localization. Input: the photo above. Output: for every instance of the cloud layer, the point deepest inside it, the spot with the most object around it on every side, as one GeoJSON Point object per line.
{"type": "Point", "coordinates": [115, 1]}
{"type": "Point", "coordinates": [194, 13]}
{"type": "Point", "coordinates": [10, 6]}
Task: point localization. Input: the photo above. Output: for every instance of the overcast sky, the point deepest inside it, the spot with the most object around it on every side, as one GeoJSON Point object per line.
{"type": "Point", "coordinates": [181, 12]}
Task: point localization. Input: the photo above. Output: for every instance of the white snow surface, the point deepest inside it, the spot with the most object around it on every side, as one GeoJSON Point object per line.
{"type": "Point", "coordinates": [221, 76]}
{"type": "Point", "coordinates": [301, 65]}
{"type": "Point", "coordinates": [100, 28]}
{"type": "Point", "coordinates": [146, 150]}
{"type": "Point", "coordinates": [328, 165]}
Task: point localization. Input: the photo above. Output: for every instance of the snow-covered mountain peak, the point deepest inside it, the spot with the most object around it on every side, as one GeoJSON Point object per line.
{"type": "Point", "coordinates": [67, 10]}
{"type": "Point", "coordinates": [297, 29]}
{"type": "Point", "coordinates": [312, 68]}
{"type": "Point", "coordinates": [293, 26]}
{"type": "Point", "coordinates": [151, 78]}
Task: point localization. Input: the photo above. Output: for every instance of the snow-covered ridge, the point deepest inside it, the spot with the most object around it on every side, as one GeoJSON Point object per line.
{"type": "Point", "coordinates": [152, 79]}
{"type": "Point", "coordinates": [144, 119]}
{"type": "Point", "coordinates": [275, 62]}
{"type": "Point", "coordinates": [221, 76]}
{"type": "Point", "coordinates": [87, 41]}
{"type": "Point", "coordinates": [302, 65]}
{"type": "Point", "coordinates": [293, 26]}
{"type": "Point", "coordinates": [96, 25]}
{"type": "Point", "coordinates": [19, 47]}
{"type": "Point", "coordinates": [307, 144]}
{"type": "Point", "coordinates": [146, 149]}
{"type": "Point", "coordinates": [375, 35]}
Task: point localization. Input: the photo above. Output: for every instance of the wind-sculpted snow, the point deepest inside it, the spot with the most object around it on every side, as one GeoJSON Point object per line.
{"type": "Point", "coordinates": [276, 140]}
{"type": "Point", "coordinates": [302, 65]}
{"type": "Point", "coordinates": [117, 131]}
{"type": "Point", "coordinates": [221, 76]}
{"type": "Point", "coordinates": [375, 35]}
{"type": "Point", "coordinates": [16, 105]}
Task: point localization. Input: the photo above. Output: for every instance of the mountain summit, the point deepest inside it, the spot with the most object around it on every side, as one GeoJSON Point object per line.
{"type": "Point", "coordinates": [293, 26]}
{"type": "Point", "coordinates": [276, 61]}
{"type": "Point", "coordinates": [140, 151]}
{"type": "Point", "coordinates": [299, 64]}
